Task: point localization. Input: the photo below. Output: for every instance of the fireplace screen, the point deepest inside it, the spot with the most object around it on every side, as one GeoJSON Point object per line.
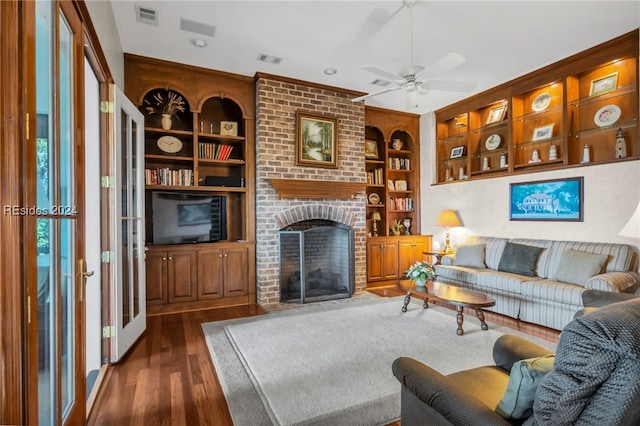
{"type": "Point", "coordinates": [316, 262]}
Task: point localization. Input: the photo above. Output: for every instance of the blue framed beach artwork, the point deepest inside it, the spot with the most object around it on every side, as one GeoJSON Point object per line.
{"type": "Point", "coordinates": [551, 200]}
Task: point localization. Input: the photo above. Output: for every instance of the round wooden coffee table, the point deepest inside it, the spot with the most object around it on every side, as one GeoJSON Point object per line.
{"type": "Point", "coordinates": [459, 297]}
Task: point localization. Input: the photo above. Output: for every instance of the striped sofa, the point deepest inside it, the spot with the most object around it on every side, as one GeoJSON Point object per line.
{"type": "Point", "coordinates": [541, 299]}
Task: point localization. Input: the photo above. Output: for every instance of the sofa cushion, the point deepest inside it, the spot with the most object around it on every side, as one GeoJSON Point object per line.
{"type": "Point", "coordinates": [576, 267]}
{"type": "Point", "coordinates": [505, 281]}
{"type": "Point", "coordinates": [542, 267]}
{"type": "Point", "coordinates": [493, 251]}
{"type": "Point", "coordinates": [526, 374]}
{"type": "Point", "coordinates": [620, 256]}
{"type": "Point", "coordinates": [459, 274]}
{"type": "Point", "coordinates": [519, 259]}
{"type": "Point", "coordinates": [552, 291]}
{"type": "Point", "coordinates": [471, 256]}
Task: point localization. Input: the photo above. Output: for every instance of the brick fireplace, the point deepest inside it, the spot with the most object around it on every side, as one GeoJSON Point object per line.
{"type": "Point", "coordinates": [277, 101]}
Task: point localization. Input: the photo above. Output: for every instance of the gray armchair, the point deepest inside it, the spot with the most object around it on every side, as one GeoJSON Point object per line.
{"type": "Point", "coordinates": [595, 380]}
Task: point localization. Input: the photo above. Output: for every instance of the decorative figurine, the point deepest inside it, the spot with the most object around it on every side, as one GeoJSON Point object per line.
{"type": "Point", "coordinates": [553, 152]}
{"type": "Point", "coordinates": [535, 157]}
{"type": "Point", "coordinates": [461, 173]}
{"type": "Point", "coordinates": [397, 144]}
{"type": "Point", "coordinates": [586, 156]}
{"type": "Point", "coordinates": [503, 160]}
{"type": "Point", "coordinates": [485, 163]}
{"type": "Point", "coordinates": [621, 144]}
{"type": "Point", "coordinates": [407, 223]}
{"type": "Point", "coordinates": [447, 174]}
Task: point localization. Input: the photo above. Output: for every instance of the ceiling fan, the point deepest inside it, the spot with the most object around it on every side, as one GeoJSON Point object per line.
{"type": "Point", "coordinates": [417, 79]}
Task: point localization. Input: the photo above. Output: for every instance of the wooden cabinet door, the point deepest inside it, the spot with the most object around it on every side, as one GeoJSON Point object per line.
{"type": "Point", "coordinates": [181, 278]}
{"type": "Point", "coordinates": [411, 251]}
{"type": "Point", "coordinates": [236, 281]}
{"type": "Point", "coordinates": [382, 260]}
{"type": "Point", "coordinates": [156, 269]}
{"type": "Point", "coordinates": [210, 274]}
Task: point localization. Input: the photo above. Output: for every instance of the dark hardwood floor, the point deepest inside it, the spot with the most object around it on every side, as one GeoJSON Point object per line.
{"type": "Point", "coordinates": [168, 377]}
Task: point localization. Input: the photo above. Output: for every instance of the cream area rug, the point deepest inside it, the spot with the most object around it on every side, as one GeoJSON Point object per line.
{"type": "Point", "coordinates": [330, 363]}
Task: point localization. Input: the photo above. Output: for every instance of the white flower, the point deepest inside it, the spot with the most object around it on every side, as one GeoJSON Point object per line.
{"type": "Point", "coordinates": [421, 271]}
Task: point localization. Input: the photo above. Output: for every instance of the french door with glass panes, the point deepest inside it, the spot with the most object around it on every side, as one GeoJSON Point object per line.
{"type": "Point", "coordinates": [60, 219]}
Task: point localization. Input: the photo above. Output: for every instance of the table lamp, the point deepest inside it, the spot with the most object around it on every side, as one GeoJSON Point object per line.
{"type": "Point", "coordinates": [375, 217]}
{"type": "Point", "coordinates": [448, 218]}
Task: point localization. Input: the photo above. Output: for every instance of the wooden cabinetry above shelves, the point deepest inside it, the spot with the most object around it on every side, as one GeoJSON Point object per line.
{"type": "Point", "coordinates": [568, 114]}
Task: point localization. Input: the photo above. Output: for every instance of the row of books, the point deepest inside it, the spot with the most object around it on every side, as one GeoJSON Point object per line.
{"type": "Point", "coordinates": [399, 163]}
{"type": "Point", "coordinates": [375, 177]}
{"type": "Point", "coordinates": [401, 203]}
{"type": "Point", "coordinates": [167, 176]}
{"type": "Point", "coordinates": [214, 151]}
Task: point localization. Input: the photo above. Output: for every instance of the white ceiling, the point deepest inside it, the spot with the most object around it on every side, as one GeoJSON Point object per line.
{"type": "Point", "coordinates": [500, 40]}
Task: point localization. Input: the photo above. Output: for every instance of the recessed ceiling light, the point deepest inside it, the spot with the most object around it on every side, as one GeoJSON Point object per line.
{"type": "Point", "coordinates": [198, 42]}
{"type": "Point", "coordinates": [331, 71]}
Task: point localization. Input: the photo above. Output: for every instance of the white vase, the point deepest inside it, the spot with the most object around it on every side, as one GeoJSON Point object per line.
{"type": "Point", "coordinates": [420, 282]}
{"type": "Point", "coordinates": [165, 121]}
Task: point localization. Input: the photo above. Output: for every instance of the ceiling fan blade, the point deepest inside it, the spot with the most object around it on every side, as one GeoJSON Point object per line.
{"type": "Point", "coordinates": [383, 73]}
{"type": "Point", "coordinates": [388, 89]}
{"type": "Point", "coordinates": [447, 62]}
{"type": "Point", "coordinates": [453, 86]}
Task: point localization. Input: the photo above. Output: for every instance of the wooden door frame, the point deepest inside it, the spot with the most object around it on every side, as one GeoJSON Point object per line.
{"type": "Point", "coordinates": [18, 266]}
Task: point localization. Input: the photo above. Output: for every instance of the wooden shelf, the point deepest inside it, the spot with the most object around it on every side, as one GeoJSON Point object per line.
{"type": "Point", "coordinates": [299, 188]}
{"type": "Point", "coordinates": [562, 97]}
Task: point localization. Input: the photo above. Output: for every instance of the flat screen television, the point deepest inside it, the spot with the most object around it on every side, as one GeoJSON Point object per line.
{"type": "Point", "coordinates": [183, 218]}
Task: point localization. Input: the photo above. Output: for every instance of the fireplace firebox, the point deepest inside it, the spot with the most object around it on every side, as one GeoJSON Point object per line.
{"type": "Point", "coordinates": [316, 261]}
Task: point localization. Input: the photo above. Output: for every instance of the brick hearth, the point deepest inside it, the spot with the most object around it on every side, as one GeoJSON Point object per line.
{"type": "Point", "coordinates": [277, 102]}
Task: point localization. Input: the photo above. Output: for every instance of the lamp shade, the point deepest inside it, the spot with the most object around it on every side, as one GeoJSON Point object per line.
{"type": "Point", "coordinates": [375, 216]}
{"type": "Point", "coordinates": [448, 218]}
{"type": "Point", "coordinates": [632, 228]}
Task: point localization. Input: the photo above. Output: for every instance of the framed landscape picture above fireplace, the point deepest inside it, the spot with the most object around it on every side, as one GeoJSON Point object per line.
{"type": "Point", "coordinates": [316, 140]}
{"type": "Point", "coordinates": [555, 199]}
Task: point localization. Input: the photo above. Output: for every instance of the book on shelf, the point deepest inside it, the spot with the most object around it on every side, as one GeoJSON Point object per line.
{"type": "Point", "coordinates": [167, 176]}
{"type": "Point", "coordinates": [214, 151]}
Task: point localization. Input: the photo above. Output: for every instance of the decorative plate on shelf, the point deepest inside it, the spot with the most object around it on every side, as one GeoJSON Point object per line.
{"type": "Point", "coordinates": [374, 198]}
{"type": "Point", "coordinates": [607, 115]}
{"type": "Point", "coordinates": [493, 142]}
{"type": "Point", "coordinates": [541, 102]}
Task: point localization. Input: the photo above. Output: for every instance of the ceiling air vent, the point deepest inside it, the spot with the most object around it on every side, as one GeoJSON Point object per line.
{"type": "Point", "coordinates": [197, 27]}
{"type": "Point", "coordinates": [269, 59]}
{"type": "Point", "coordinates": [381, 83]}
{"type": "Point", "coordinates": [146, 15]}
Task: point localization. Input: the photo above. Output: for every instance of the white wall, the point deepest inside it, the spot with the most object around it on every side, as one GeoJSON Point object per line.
{"type": "Point", "coordinates": [611, 194]}
{"type": "Point", "coordinates": [105, 25]}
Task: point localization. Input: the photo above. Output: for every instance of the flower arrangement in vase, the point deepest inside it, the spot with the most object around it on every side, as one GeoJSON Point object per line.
{"type": "Point", "coordinates": [167, 106]}
{"type": "Point", "coordinates": [421, 272]}
{"type": "Point", "coordinates": [396, 227]}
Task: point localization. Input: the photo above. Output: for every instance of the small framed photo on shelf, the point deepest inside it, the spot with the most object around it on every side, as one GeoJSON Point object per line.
{"type": "Point", "coordinates": [229, 128]}
{"type": "Point", "coordinates": [457, 152]}
{"type": "Point", "coordinates": [390, 185]}
{"type": "Point", "coordinates": [604, 84]}
{"type": "Point", "coordinates": [542, 132]}
{"type": "Point", "coordinates": [371, 149]}
{"type": "Point", "coordinates": [496, 114]}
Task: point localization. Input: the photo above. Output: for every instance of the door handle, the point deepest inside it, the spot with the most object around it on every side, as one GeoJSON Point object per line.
{"type": "Point", "coordinates": [84, 274]}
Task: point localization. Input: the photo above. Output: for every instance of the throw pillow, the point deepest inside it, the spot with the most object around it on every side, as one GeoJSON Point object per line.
{"type": "Point", "coordinates": [471, 256]}
{"type": "Point", "coordinates": [519, 259]}
{"type": "Point", "coordinates": [517, 401]}
{"type": "Point", "coordinates": [576, 267]}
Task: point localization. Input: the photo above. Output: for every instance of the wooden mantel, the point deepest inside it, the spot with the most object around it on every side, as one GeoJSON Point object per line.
{"type": "Point", "coordinates": [299, 188]}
